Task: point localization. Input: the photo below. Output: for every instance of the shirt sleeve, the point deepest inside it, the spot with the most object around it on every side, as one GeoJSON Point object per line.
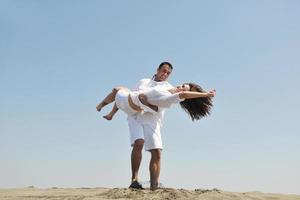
{"type": "Point", "coordinates": [169, 86]}
{"type": "Point", "coordinates": [162, 99]}
{"type": "Point", "coordinates": [140, 84]}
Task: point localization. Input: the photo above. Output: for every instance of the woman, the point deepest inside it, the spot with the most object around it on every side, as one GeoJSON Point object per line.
{"type": "Point", "coordinates": [192, 98]}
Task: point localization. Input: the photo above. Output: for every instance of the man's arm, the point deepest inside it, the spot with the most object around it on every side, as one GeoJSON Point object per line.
{"type": "Point", "coordinates": [144, 100]}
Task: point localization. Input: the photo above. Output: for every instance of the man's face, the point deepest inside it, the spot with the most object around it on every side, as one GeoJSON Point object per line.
{"type": "Point", "coordinates": [163, 73]}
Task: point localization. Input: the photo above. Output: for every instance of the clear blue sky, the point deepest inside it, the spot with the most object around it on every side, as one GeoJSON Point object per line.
{"type": "Point", "coordinates": [59, 58]}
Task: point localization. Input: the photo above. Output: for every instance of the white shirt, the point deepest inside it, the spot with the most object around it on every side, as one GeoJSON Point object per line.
{"type": "Point", "coordinates": [162, 98]}
{"type": "Point", "coordinates": [157, 117]}
{"type": "Point", "coordinates": [147, 83]}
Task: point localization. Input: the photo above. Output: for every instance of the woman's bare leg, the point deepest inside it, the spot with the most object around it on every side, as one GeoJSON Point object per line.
{"type": "Point", "coordinates": [108, 99]}
{"type": "Point", "coordinates": [110, 115]}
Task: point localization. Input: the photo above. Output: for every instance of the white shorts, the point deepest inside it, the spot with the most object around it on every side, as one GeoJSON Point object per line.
{"type": "Point", "coordinates": [121, 100]}
{"type": "Point", "coordinates": [149, 132]}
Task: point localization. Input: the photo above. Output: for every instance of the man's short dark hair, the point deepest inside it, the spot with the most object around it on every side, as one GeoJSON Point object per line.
{"type": "Point", "coordinates": [165, 63]}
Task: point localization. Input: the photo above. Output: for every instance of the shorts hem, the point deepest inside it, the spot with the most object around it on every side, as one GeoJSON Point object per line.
{"type": "Point", "coordinates": [149, 149]}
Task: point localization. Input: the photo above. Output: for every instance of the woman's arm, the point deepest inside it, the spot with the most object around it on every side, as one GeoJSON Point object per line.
{"type": "Point", "coordinates": [193, 95]}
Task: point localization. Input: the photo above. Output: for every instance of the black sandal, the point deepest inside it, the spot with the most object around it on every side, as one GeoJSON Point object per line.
{"type": "Point", "coordinates": [136, 185]}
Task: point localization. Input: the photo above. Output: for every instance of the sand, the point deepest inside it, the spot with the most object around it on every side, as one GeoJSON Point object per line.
{"type": "Point", "coordinates": [32, 193]}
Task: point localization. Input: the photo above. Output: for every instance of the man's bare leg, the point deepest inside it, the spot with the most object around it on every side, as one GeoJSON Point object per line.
{"type": "Point", "coordinates": [110, 115]}
{"type": "Point", "coordinates": [108, 99]}
{"type": "Point", "coordinates": [154, 168]}
{"type": "Point", "coordinates": [136, 158]}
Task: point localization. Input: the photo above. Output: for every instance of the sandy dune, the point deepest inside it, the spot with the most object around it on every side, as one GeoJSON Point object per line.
{"type": "Point", "coordinates": [123, 193]}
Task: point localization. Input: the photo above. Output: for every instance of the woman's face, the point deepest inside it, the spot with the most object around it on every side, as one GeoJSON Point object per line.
{"type": "Point", "coordinates": [184, 87]}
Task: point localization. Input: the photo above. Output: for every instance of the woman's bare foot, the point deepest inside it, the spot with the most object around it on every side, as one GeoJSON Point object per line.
{"type": "Point", "coordinates": [100, 106]}
{"type": "Point", "coordinates": [108, 117]}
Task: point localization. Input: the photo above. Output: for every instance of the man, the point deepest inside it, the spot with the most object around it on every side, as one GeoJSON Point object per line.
{"type": "Point", "coordinates": [145, 129]}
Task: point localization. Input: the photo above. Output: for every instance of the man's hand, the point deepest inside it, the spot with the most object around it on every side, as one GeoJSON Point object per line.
{"type": "Point", "coordinates": [212, 93]}
{"type": "Point", "coordinates": [144, 100]}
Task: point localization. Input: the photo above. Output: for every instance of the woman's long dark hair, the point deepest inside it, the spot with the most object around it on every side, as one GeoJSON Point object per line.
{"type": "Point", "coordinates": [198, 107]}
